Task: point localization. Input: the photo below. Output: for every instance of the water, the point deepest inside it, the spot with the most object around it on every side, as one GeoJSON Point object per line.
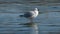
{"type": "Point", "coordinates": [11, 23]}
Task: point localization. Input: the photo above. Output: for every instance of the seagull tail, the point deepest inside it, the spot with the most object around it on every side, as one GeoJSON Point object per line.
{"type": "Point", "coordinates": [21, 15]}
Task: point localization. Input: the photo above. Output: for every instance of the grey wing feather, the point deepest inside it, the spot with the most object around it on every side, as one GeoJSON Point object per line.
{"type": "Point", "coordinates": [28, 14]}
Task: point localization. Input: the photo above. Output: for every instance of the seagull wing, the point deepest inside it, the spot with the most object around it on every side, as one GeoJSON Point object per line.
{"type": "Point", "coordinates": [28, 14]}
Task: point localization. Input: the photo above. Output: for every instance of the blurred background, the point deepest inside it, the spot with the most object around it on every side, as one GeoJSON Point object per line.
{"type": "Point", "coordinates": [48, 20]}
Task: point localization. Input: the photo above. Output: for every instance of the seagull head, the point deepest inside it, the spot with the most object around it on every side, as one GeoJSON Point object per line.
{"type": "Point", "coordinates": [36, 9]}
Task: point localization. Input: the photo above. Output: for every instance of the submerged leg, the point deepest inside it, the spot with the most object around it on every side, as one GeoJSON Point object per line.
{"type": "Point", "coordinates": [31, 20]}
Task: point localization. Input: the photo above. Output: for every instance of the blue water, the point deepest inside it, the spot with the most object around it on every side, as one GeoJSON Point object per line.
{"type": "Point", "coordinates": [9, 23]}
{"type": "Point", "coordinates": [48, 21]}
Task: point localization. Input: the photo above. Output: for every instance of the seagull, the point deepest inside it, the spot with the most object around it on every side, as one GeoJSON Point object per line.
{"type": "Point", "coordinates": [30, 14]}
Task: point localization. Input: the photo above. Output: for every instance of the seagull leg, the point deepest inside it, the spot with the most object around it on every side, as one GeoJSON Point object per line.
{"type": "Point", "coordinates": [31, 20]}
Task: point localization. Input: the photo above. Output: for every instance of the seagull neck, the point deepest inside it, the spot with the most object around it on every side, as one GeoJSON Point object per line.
{"type": "Point", "coordinates": [36, 11]}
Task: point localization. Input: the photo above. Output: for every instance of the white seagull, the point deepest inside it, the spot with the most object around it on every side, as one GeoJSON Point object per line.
{"type": "Point", "coordinates": [31, 14]}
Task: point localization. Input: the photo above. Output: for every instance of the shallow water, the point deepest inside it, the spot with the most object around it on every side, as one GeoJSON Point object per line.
{"type": "Point", "coordinates": [10, 23]}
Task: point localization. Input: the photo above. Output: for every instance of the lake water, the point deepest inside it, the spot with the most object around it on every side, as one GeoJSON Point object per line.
{"type": "Point", "coordinates": [9, 23]}
{"type": "Point", "coordinates": [48, 20]}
